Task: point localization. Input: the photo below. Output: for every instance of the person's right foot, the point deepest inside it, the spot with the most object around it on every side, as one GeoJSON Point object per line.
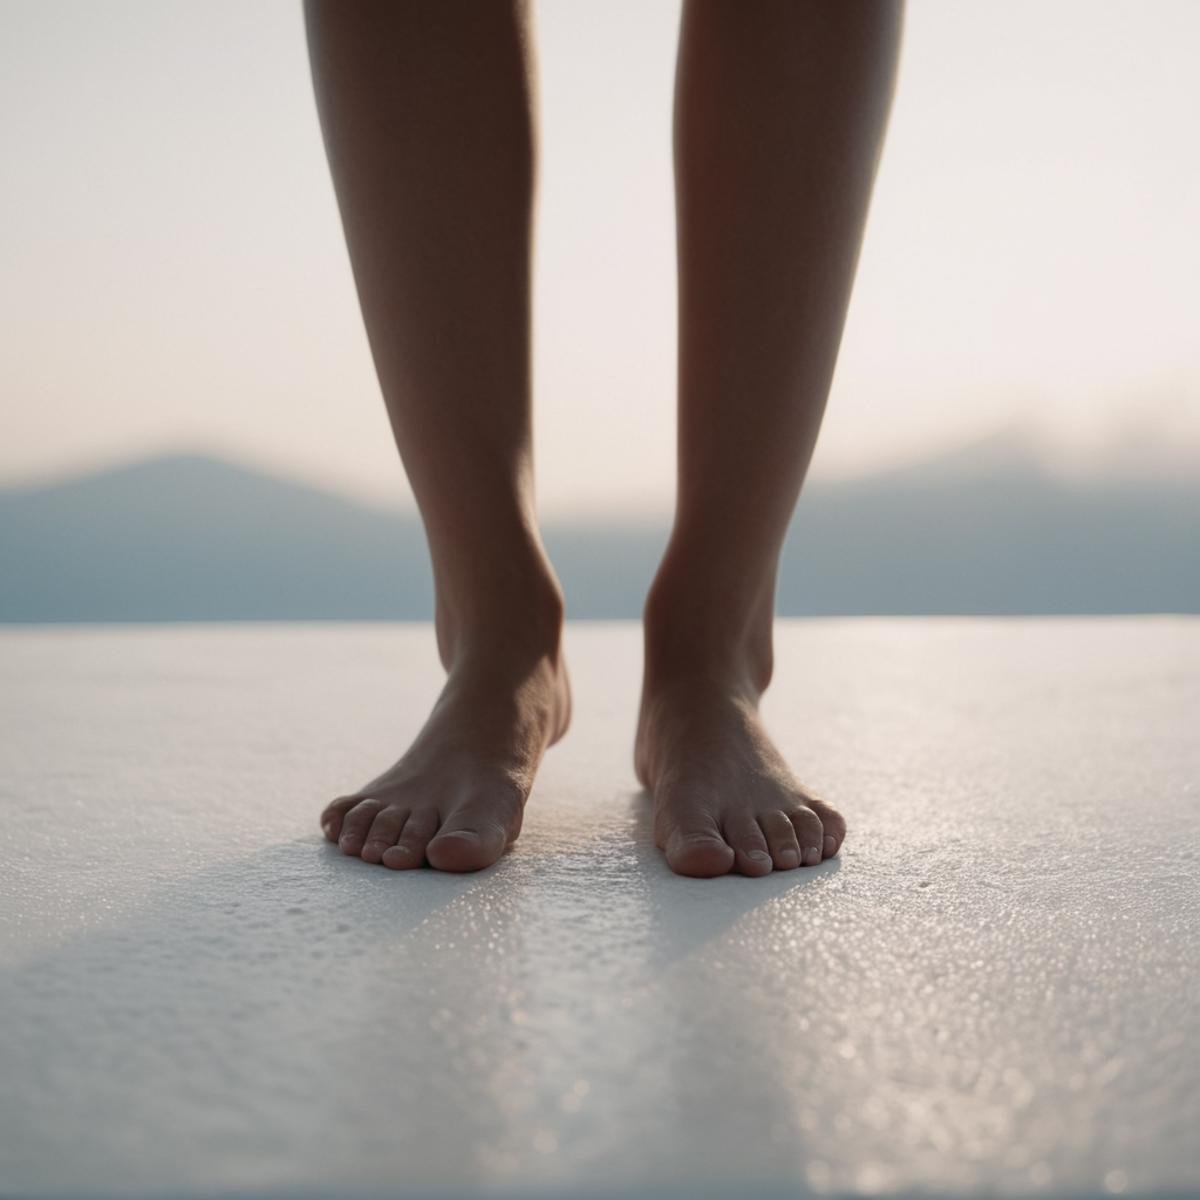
{"type": "Point", "coordinates": [456, 798]}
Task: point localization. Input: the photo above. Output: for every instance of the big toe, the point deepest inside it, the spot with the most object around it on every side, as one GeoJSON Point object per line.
{"type": "Point", "coordinates": [699, 853]}
{"type": "Point", "coordinates": [467, 845]}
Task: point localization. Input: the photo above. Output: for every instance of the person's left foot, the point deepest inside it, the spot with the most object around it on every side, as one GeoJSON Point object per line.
{"type": "Point", "coordinates": [724, 799]}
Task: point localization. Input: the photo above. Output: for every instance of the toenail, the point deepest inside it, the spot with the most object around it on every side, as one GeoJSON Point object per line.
{"type": "Point", "coordinates": [789, 856]}
{"type": "Point", "coordinates": [812, 856]}
{"type": "Point", "coordinates": [830, 845]}
{"type": "Point", "coordinates": [758, 856]}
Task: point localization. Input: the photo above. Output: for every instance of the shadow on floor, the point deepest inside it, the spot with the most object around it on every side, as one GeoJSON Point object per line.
{"type": "Point", "coordinates": [688, 913]}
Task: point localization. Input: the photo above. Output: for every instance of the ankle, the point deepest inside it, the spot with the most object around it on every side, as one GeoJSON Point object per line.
{"type": "Point", "coordinates": [514, 626]}
{"type": "Point", "coordinates": [697, 636]}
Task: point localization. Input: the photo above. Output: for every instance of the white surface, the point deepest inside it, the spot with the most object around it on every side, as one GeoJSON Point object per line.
{"type": "Point", "coordinates": [994, 988]}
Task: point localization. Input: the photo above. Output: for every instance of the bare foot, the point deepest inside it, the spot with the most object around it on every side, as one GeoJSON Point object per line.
{"type": "Point", "coordinates": [456, 799]}
{"type": "Point", "coordinates": [724, 799]}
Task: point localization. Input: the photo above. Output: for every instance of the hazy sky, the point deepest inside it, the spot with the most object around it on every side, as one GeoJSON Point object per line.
{"type": "Point", "coordinates": [174, 274]}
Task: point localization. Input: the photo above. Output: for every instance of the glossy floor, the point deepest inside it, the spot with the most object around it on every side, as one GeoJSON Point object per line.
{"type": "Point", "coordinates": [995, 987]}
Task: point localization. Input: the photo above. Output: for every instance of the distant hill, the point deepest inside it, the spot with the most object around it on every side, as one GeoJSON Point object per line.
{"type": "Point", "coordinates": [984, 531]}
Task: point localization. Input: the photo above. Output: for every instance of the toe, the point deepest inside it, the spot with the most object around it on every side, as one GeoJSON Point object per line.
{"type": "Point", "coordinates": [688, 833]}
{"type": "Point", "coordinates": [466, 849]}
{"type": "Point", "coordinates": [686, 829]}
{"type": "Point", "coordinates": [357, 823]}
{"type": "Point", "coordinates": [781, 840]}
{"type": "Point", "coordinates": [470, 839]}
{"type": "Point", "coordinates": [752, 855]}
{"type": "Point", "coordinates": [409, 850]}
{"type": "Point", "coordinates": [809, 835]}
{"type": "Point", "coordinates": [383, 833]}
{"type": "Point", "coordinates": [335, 813]}
{"type": "Point", "coordinates": [701, 853]}
{"type": "Point", "coordinates": [833, 827]}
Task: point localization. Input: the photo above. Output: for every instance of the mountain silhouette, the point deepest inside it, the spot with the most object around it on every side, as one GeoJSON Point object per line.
{"type": "Point", "coordinates": [985, 530]}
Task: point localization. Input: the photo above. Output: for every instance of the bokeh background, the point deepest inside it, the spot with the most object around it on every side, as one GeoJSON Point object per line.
{"type": "Point", "coordinates": [191, 423]}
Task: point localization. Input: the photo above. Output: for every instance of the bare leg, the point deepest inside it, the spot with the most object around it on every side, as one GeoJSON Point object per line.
{"type": "Point", "coordinates": [780, 110]}
{"type": "Point", "coordinates": [427, 110]}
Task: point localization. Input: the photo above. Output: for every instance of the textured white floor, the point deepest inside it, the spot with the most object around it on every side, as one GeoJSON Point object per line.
{"type": "Point", "coordinates": [994, 989]}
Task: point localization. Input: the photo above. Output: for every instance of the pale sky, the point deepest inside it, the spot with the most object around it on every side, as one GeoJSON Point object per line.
{"type": "Point", "coordinates": [174, 273]}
